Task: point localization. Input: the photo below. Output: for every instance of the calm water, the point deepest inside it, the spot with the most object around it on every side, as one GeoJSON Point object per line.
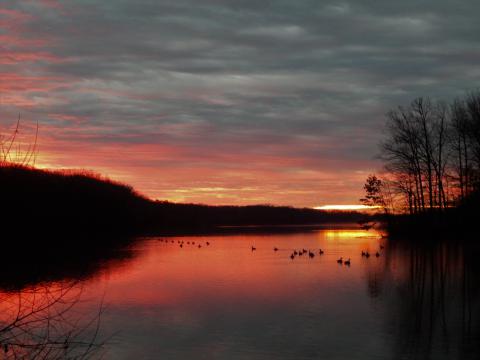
{"type": "Point", "coordinates": [156, 300]}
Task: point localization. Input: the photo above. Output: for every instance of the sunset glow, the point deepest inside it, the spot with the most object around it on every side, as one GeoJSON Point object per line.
{"type": "Point", "coordinates": [190, 116]}
{"type": "Point", "coordinates": [346, 207]}
{"type": "Point", "coordinates": [186, 179]}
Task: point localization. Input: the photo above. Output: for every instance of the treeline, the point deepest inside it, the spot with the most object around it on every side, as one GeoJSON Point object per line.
{"type": "Point", "coordinates": [51, 202]}
{"type": "Point", "coordinates": [431, 154]}
{"type": "Point", "coordinates": [194, 216]}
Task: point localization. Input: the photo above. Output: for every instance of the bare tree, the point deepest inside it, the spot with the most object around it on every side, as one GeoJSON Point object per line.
{"type": "Point", "coordinates": [18, 151]}
{"type": "Point", "coordinates": [40, 323]}
{"type": "Point", "coordinates": [472, 104]}
{"type": "Point", "coordinates": [459, 143]}
{"type": "Point", "coordinates": [418, 152]}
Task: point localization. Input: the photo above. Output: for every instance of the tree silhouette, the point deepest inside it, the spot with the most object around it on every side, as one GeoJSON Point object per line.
{"type": "Point", "coordinates": [41, 322]}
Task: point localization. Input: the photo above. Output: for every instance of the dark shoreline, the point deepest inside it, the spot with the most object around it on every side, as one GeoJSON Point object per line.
{"type": "Point", "coordinates": [53, 202]}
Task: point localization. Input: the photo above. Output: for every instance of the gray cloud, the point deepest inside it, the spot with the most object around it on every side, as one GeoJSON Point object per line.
{"type": "Point", "coordinates": [318, 76]}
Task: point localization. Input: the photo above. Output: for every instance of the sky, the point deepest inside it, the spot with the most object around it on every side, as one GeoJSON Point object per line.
{"type": "Point", "coordinates": [228, 102]}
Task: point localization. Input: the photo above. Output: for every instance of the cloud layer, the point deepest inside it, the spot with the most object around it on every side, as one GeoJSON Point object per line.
{"type": "Point", "coordinates": [228, 101]}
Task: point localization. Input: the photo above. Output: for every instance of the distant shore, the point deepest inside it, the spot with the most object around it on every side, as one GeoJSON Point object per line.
{"type": "Point", "coordinates": [45, 202]}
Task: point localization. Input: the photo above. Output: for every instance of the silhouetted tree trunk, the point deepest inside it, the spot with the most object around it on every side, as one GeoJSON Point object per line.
{"type": "Point", "coordinates": [473, 110]}
{"type": "Point", "coordinates": [459, 146]}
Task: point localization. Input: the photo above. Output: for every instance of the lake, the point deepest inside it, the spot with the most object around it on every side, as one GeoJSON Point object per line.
{"type": "Point", "coordinates": [216, 298]}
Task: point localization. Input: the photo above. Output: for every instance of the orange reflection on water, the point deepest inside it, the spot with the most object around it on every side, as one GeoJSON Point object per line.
{"type": "Point", "coordinates": [342, 233]}
{"type": "Point", "coordinates": [47, 321]}
{"type": "Point", "coordinates": [228, 271]}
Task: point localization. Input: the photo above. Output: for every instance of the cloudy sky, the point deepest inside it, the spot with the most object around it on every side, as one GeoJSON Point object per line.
{"type": "Point", "coordinates": [228, 102]}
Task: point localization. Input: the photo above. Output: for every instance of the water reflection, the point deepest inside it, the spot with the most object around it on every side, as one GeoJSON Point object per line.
{"type": "Point", "coordinates": [225, 301]}
{"type": "Point", "coordinates": [29, 261]}
{"type": "Point", "coordinates": [46, 308]}
{"type": "Point", "coordinates": [43, 322]}
{"type": "Point", "coordinates": [430, 293]}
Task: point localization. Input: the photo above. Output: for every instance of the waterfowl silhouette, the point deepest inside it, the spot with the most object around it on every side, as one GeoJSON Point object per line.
{"type": "Point", "coordinates": [377, 254]}
{"type": "Point", "coordinates": [208, 243]}
{"type": "Point", "coordinates": [295, 252]}
{"type": "Point", "coordinates": [254, 248]}
{"type": "Point", "coordinates": [363, 253]}
{"type": "Point", "coordinates": [199, 246]}
{"type": "Point", "coordinates": [311, 254]}
{"type": "Point", "coordinates": [292, 256]}
{"type": "Point", "coordinates": [340, 261]}
{"type": "Point", "coordinates": [367, 254]}
{"type": "Point", "coordinates": [181, 245]}
{"type": "Point", "coordinates": [275, 249]}
{"type": "Point", "coordinates": [321, 252]}
{"type": "Point", "coordinates": [368, 226]}
{"type": "Point", "coordinates": [347, 262]}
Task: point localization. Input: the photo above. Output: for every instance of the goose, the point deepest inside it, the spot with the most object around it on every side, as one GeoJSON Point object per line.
{"type": "Point", "coordinates": [377, 254]}
{"type": "Point", "coordinates": [181, 245]}
{"type": "Point", "coordinates": [295, 252]}
{"type": "Point", "coordinates": [199, 246]}
{"type": "Point", "coordinates": [208, 243]}
{"type": "Point", "coordinates": [340, 261]}
{"type": "Point", "coordinates": [311, 254]}
{"type": "Point", "coordinates": [275, 249]}
{"type": "Point", "coordinates": [321, 252]}
{"type": "Point", "coordinates": [363, 253]}
{"type": "Point", "coordinates": [347, 262]}
{"type": "Point", "coordinates": [254, 248]}
{"type": "Point", "coordinates": [292, 256]}
{"type": "Point", "coordinates": [367, 254]}
{"type": "Point", "coordinates": [300, 253]}
{"type": "Point", "coordinates": [368, 226]}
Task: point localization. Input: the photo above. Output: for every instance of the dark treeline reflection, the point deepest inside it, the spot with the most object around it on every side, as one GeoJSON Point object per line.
{"type": "Point", "coordinates": [431, 294]}
{"type": "Point", "coordinates": [58, 258]}
{"type": "Point", "coordinates": [43, 311]}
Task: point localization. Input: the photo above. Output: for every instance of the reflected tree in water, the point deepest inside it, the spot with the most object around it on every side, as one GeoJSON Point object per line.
{"type": "Point", "coordinates": [431, 294]}
{"type": "Point", "coordinates": [42, 322]}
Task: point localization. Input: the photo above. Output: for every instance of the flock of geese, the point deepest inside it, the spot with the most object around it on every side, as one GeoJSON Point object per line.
{"type": "Point", "coordinates": [181, 243]}
{"type": "Point", "coordinates": [311, 254]}
{"type": "Point", "coordinates": [293, 255]}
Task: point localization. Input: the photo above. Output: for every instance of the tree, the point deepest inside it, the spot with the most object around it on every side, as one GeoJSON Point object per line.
{"type": "Point", "coordinates": [432, 152]}
{"type": "Point", "coordinates": [373, 193]}
{"type": "Point", "coordinates": [17, 151]}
